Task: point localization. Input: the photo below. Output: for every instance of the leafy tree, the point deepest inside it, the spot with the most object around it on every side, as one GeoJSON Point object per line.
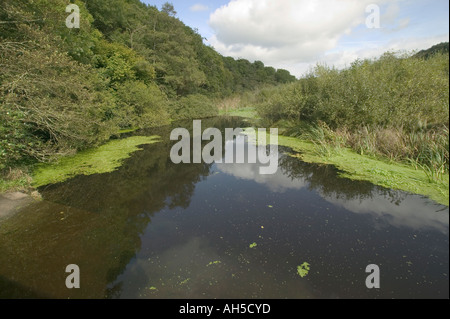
{"type": "Point", "coordinates": [169, 9]}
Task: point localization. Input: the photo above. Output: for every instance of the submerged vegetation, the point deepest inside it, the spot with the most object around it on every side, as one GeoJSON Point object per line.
{"type": "Point", "coordinates": [320, 148]}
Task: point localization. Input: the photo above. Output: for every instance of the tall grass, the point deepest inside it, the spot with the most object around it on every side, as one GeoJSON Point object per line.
{"type": "Point", "coordinates": [426, 149]}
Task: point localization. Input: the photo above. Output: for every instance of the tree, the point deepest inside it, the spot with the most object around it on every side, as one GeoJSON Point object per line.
{"type": "Point", "coordinates": [169, 9]}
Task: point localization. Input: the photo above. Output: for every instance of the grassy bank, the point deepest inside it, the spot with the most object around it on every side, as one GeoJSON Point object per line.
{"type": "Point", "coordinates": [17, 179]}
{"type": "Point", "coordinates": [384, 120]}
{"type": "Point", "coordinates": [377, 170]}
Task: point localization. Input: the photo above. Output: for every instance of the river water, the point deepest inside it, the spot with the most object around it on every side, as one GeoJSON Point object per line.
{"type": "Point", "coordinates": [154, 229]}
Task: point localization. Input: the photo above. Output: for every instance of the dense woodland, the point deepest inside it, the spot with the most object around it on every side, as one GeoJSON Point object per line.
{"type": "Point", "coordinates": [129, 65]}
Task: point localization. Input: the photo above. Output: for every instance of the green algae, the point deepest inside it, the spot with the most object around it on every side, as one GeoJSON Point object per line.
{"type": "Point", "coordinates": [303, 269]}
{"type": "Point", "coordinates": [214, 263]}
{"type": "Point", "coordinates": [103, 159]}
{"type": "Point", "coordinates": [354, 166]}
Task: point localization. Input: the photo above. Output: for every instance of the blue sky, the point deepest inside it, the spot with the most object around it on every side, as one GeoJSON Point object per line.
{"type": "Point", "coordinates": [191, 16]}
{"type": "Point", "coordinates": [297, 34]}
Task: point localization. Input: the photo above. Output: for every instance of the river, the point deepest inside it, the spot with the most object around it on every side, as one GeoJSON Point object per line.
{"type": "Point", "coordinates": [155, 229]}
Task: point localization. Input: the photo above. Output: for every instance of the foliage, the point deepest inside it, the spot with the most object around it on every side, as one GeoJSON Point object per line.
{"type": "Point", "coordinates": [194, 106]}
{"type": "Point", "coordinates": [141, 105]}
{"type": "Point", "coordinates": [388, 92]}
{"type": "Point", "coordinates": [442, 48]}
{"type": "Point", "coordinates": [42, 116]}
{"type": "Point", "coordinates": [184, 65]}
{"type": "Point", "coordinates": [394, 106]}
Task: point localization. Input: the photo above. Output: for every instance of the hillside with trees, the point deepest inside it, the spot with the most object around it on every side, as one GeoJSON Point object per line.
{"type": "Point", "coordinates": [128, 66]}
{"type": "Point", "coordinates": [441, 48]}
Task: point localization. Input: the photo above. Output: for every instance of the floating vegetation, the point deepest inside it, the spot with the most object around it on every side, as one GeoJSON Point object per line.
{"type": "Point", "coordinates": [303, 269]}
{"type": "Point", "coordinates": [186, 280]}
{"type": "Point", "coordinates": [253, 245]}
{"type": "Point", "coordinates": [103, 159]}
{"type": "Point", "coordinates": [214, 263]}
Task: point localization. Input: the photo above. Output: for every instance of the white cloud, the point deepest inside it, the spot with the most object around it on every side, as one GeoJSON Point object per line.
{"type": "Point", "coordinates": [198, 7]}
{"type": "Point", "coordinates": [284, 31]}
{"type": "Point", "coordinates": [277, 182]}
{"type": "Point", "coordinates": [343, 56]}
{"type": "Point", "coordinates": [296, 34]}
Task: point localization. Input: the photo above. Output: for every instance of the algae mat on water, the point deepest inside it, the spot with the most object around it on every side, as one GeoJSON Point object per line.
{"type": "Point", "coordinates": [355, 166]}
{"type": "Point", "coordinates": [103, 159]}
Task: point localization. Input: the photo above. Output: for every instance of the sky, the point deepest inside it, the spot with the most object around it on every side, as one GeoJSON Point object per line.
{"type": "Point", "coordinates": [296, 35]}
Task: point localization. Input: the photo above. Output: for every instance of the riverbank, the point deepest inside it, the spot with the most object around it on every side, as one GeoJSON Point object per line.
{"type": "Point", "coordinates": [379, 171]}
{"type": "Point", "coordinates": [103, 159]}
{"type": "Point", "coordinates": [13, 201]}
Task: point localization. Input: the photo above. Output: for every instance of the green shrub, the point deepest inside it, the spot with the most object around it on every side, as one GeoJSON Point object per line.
{"type": "Point", "coordinates": [49, 104]}
{"type": "Point", "coordinates": [193, 106]}
{"type": "Point", "coordinates": [391, 91]}
{"type": "Point", "coordinates": [141, 105]}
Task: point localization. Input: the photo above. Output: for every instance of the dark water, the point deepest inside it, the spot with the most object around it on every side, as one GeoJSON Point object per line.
{"type": "Point", "coordinates": [153, 229]}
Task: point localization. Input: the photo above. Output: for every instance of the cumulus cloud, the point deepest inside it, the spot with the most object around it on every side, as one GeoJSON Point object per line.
{"type": "Point", "coordinates": [198, 7]}
{"type": "Point", "coordinates": [294, 34]}
{"type": "Point", "coordinates": [286, 30]}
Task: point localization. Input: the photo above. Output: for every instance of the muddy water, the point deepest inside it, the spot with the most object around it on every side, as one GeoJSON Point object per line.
{"type": "Point", "coordinates": [153, 229]}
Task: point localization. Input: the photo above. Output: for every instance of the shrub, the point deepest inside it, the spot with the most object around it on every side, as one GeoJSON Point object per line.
{"type": "Point", "coordinates": [141, 105]}
{"type": "Point", "coordinates": [193, 106]}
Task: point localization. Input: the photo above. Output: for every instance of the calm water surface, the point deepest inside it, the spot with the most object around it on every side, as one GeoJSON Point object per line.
{"type": "Point", "coordinates": [153, 229]}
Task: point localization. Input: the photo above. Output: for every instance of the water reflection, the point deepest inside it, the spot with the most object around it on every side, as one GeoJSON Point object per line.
{"type": "Point", "coordinates": [395, 208]}
{"type": "Point", "coordinates": [153, 229]}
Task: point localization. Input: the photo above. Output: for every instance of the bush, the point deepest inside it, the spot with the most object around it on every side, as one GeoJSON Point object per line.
{"type": "Point", "coordinates": [389, 92]}
{"type": "Point", "coordinates": [193, 106]}
{"type": "Point", "coordinates": [45, 116]}
{"type": "Point", "coordinates": [141, 105]}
